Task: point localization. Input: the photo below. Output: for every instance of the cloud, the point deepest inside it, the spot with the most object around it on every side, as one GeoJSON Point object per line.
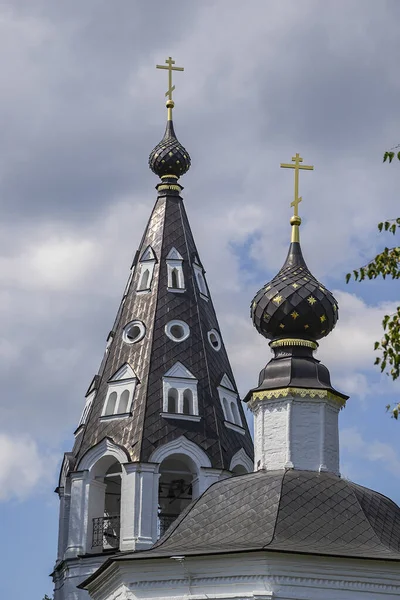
{"type": "Point", "coordinates": [380, 454]}
{"type": "Point", "coordinates": [24, 469]}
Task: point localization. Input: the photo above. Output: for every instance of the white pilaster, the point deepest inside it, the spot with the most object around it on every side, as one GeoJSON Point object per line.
{"type": "Point", "coordinates": [77, 514]}
{"type": "Point", "coordinates": [96, 491]}
{"type": "Point", "coordinates": [139, 503]}
{"type": "Point", "coordinates": [61, 525]}
{"type": "Point", "coordinates": [298, 430]}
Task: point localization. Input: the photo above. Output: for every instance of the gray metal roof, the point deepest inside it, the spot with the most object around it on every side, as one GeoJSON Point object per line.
{"type": "Point", "coordinates": [291, 511]}
{"type": "Point", "coordinates": [145, 430]}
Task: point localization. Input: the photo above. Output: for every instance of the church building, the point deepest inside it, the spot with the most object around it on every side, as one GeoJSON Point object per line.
{"type": "Point", "coordinates": [163, 496]}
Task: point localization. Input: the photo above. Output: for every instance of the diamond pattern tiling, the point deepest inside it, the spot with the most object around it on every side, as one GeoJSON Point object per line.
{"type": "Point", "coordinates": [145, 430]}
{"type": "Point", "coordinates": [297, 511]}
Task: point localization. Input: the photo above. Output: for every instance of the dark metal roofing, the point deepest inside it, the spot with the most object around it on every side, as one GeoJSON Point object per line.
{"type": "Point", "coordinates": [294, 303]}
{"type": "Point", "coordinates": [283, 511]}
{"type": "Point", "coordinates": [155, 354]}
{"type": "Point", "coordinates": [295, 511]}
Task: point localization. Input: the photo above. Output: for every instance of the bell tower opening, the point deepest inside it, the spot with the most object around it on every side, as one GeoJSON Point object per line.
{"type": "Point", "coordinates": [175, 490]}
{"type": "Point", "coordinates": [106, 512]}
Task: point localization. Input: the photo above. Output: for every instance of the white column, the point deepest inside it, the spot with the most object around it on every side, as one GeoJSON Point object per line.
{"type": "Point", "coordinates": [139, 506]}
{"type": "Point", "coordinates": [297, 431]}
{"type": "Point", "coordinates": [77, 514]}
{"type": "Point", "coordinates": [61, 525]}
{"type": "Point", "coordinates": [96, 491]}
{"type": "Point", "coordinates": [207, 477]}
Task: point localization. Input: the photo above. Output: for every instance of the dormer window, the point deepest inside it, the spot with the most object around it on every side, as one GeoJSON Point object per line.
{"type": "Point", "coordinates": [180, 394]}
{"type": "Point", "coordinates": [200, 280]}
{"type": "Point", "coordinates": [86, 410]}
{"type": "Point", "coordinates": [229, 403]}
{"type": "Point", "coordinates": [176, 280]}
{"type": "Point", "coordinates": [120, 392]}
{"type": "Point", "coordinates": [146, 269]}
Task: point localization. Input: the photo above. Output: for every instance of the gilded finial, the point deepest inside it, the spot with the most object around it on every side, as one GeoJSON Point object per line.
{"type": "Point", "coordinates": [169, 67]}
{"type": "Point", "coordinates": [295, 221]}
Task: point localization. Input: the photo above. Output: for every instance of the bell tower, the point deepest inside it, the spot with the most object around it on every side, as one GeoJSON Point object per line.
{"type": "Point", "coordinates": [162, 419]}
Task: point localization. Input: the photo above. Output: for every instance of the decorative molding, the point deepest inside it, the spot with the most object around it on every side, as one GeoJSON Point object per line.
{"type": "Point", "coordinates": [104, 448]}
{"type": "Point", "coordinates": [125, 372]}
{"type": "Point", "coordinates": [234, 427]}
{"type": "Point", "coordinates": [181, 446]}
{"type": "Point", "coordinates": [182, 416]}
{"type": "Point", "coordinates": [296, 392]}
{"type": "Point", "coordinates": [226, 383]}
{"type": "Point", "coordinates": [241, 459]}
{"type": "Point", "coordinates": [293, 342]}
{"type": "Point", "coordinates": [180, 371]}
{"type": "Point", "coordinates": [173, 254]}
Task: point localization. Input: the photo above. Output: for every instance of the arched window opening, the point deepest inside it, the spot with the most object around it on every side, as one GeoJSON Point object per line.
{"type": "Point", "coordinates": [201, 283]}
{"type": "Point", "coordinates": [187, 402]}
{"type": "Point", "coordinates": [123, 405]}
{"type": "Point", "coordinates": [235, 413]}
{"type": "Point", "coordinates": [226, 409]}
{"type": "Point", "coordinates": [175, 491]}
{"type": "Point", "coordinates": [175, 279]}
{"type": "Point", "coordinates": [144, 280]}
{"type": "Point", "coordinates": [105, 505]}
{"type": "Point", "coordinates": [172, 400]}
{"type": "Point", "coordinates": [111, 402]}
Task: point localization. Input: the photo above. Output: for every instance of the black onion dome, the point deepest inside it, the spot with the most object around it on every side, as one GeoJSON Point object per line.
{"type": "Point", "coordinates": [169, 157]}
{"type": "Point", "coordinates": [294, 303]}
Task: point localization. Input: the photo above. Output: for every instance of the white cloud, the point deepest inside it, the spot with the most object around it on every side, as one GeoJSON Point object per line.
{"type": "Point", "coordinates": [380, 454]}
{"type": "Point", "coordinates": [23, 468]}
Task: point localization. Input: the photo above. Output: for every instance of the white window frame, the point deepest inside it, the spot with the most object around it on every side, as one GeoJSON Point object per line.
{"type": "Point", "coordinates": [147, 262]}
{"type": "Point", "coordinates": [175, 261]}
{"type": "Point", "coordinates": [123, 379]}
{"type": "Point", "coordinates": [218, 337]}
{"type": "Point", "coordinates": [199, 274]}
{"type": "Point", "coordinates": [135, 323]}
{"type": "Point", "coordinates": [180, 379]}
{"type": "Point", "coordinates": [185, 327]}
{"type": "Point", "coordinates": [227, 391]}
{"type": "Point", "coordinates": [86, 408]}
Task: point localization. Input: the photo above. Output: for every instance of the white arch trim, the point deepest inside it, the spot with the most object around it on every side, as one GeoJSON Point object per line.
{"type": "Point", "coordinates": [181, 446]}
{"type": "Point", "coordinates": [104, 448]}
{"type": "Point", "coordinates": [242, 459]}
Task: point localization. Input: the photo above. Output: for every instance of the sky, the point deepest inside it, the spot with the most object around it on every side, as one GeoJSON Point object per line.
{"type": "Point", "coordinates": [81, 107]}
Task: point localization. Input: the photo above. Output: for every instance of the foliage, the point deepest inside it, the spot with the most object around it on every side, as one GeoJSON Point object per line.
{"type": "Point", "coordinates": [45, 597]}
{"type": "Point", "coordinates": [387, 263]}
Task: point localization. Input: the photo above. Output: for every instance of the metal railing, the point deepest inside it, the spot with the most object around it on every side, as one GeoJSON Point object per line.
{"type": "Point", "coordinates": [106, 532]}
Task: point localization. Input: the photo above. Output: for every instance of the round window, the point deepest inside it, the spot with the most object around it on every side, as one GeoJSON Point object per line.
{"type": "Point", "coordinates": [177, 331]}
{"type": "Point", "coordinates": [215, 339]}
{"type": "Point", "coordinates": [134, 332]}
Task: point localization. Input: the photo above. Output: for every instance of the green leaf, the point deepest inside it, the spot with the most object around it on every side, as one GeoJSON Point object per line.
{"type": "Point", "coordinates": [348, 277]}
{"type": "Point", "coordinates": [380, 226]}
{"type": "Point", "coordinates": [376, 345]}
{"type": "Point", "coordinates": [355, 274]}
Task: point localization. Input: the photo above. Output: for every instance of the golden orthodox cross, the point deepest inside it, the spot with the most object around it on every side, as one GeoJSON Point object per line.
{"type": "Point", "coordinates": [169, 66]}
{"type": "Point", "coordinates": [297, 166]}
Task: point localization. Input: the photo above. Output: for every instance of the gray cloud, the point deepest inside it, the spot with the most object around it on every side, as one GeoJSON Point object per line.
{"type": "Point", "coordinates": [81, 107]}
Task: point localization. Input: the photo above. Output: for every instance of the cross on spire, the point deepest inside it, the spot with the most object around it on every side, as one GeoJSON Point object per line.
{"type": "Point", "coordinates": [169, 66]}
{"type": "Point", "coordinates": [297, 166]}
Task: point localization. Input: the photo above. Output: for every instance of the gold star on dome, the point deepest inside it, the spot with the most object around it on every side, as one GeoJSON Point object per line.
{"type": "Point", "coordinates": [311, 300]}
{"type": "Point", "coordinates": [294, 315]}
{"type": "Point", "coordinates": [334, 307]}
{"type": "Point", "coordinates": [323, 331]}
{"type": "Point", "coordinates": [266, 317]}
{"type": "Point", "coordinates": [282, 326]}
{"type": "Point", "coordinates": [295, 285]}
{"type": "Point", "coordinates": [323, 318]}
{"type": "Point", "coordinates": [306, 326]}
{"type": "Point", "coordinates": [278, 299]}
{"type": "Point", "coordinates": [321, 288]}
{"type": "Point", "coordinates": [267, 288]}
